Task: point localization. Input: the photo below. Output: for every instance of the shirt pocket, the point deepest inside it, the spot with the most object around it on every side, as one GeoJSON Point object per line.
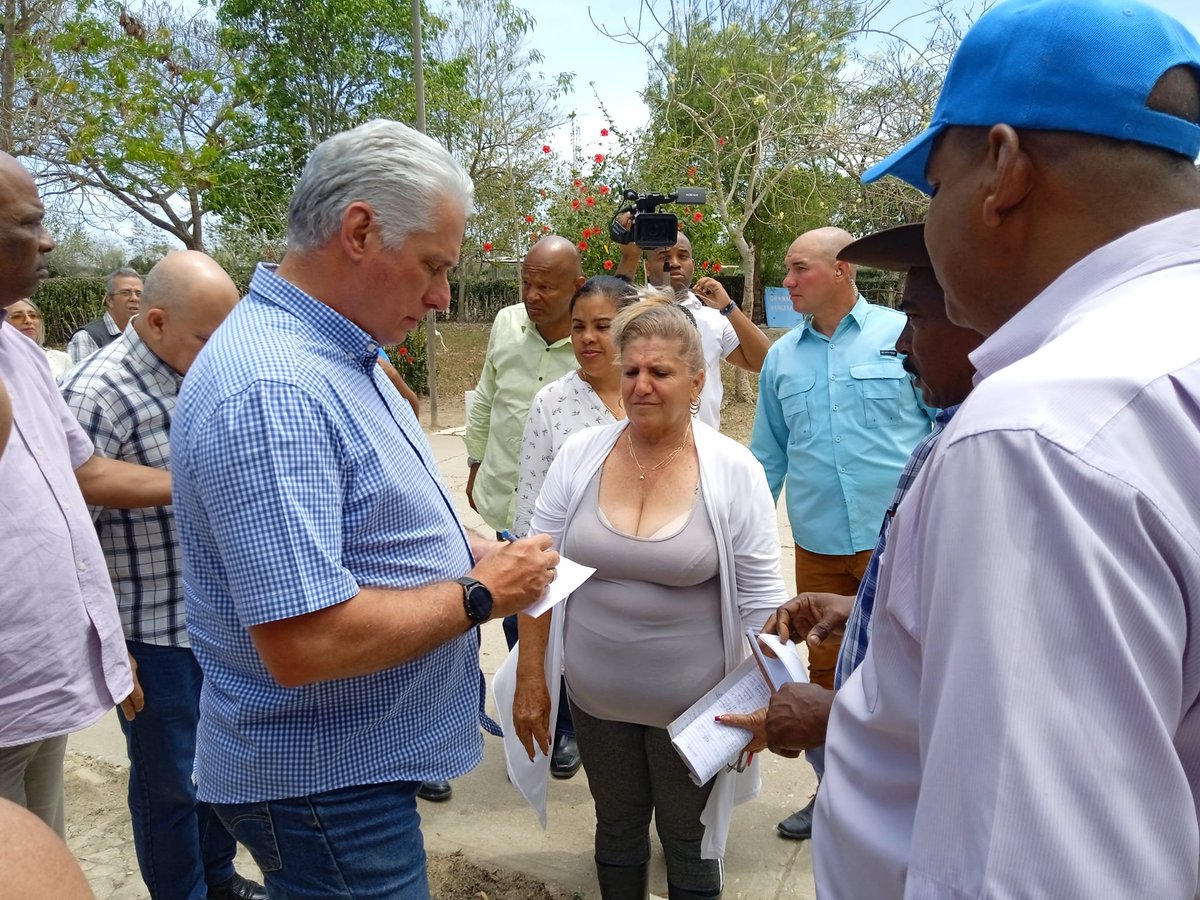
{"type": "Point", "coordinates": [880, 385]}
{"type": "Point", "coordinates": [794, 395]}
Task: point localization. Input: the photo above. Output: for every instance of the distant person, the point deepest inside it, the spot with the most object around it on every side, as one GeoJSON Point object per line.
{"type": "Point", "coordinates": [1026, 722]}
{"type": "Point", "coordinates": [332, 594]}
{"type": "Point", "coordinates": [727, 332]}
{"type": "Point", "coordinates": [124, 397]}
{"type": "Point", "coordinates": [529, 347]}
{"type": "Point", "coordinates": [122, 299]}
{"type": "Point", "coordinates": [27, 319]}
{"type": "Point", "coordinates": [678, 522]}
{"type": "Point", "coordinates": [67, 663]}
{"type": "Point", "coordinates": [837, 419]}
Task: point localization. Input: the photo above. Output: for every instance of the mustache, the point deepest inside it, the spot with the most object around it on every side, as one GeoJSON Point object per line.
{"type": "Point", "coordinates": [909, 367]}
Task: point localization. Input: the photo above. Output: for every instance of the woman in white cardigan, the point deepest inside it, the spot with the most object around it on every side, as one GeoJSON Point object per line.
{"type": "Point", "coordinates": [680, 525]}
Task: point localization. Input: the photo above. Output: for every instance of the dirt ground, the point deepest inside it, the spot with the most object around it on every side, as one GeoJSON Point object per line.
{"type": "Point", "coordinates": [99, 835]}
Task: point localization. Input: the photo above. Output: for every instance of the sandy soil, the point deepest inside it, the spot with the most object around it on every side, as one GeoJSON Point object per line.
{"type": "Point", "coordinates": [99, 835]}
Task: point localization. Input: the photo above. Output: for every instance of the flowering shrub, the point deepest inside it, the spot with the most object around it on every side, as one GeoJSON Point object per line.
{"type": "Point", "coordinates": [410, 360]}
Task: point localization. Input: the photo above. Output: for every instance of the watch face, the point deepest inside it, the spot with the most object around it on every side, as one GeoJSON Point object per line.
{"type": "Point", "coordinates": [478, 600]}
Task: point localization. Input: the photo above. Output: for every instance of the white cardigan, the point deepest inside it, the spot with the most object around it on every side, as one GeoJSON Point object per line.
{"type": "Point", "coordinates": [742, 512]}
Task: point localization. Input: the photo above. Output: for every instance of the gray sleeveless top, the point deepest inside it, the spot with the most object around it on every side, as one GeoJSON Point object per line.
{"type": "Point", "coordinates": [642, 637]}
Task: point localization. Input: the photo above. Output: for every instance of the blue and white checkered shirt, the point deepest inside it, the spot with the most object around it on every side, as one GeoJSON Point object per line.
{"type": "Point", "coordinates": [858, 627]}
{"type": "Point", "coordinates": [301, 476]}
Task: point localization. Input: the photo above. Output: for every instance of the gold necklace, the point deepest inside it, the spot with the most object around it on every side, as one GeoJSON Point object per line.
{"type": "Point", "coordinates": [674, 453]}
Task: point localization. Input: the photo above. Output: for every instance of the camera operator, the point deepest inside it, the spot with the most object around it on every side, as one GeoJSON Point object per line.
{"type": "Point", "coordinates": [725, 331]}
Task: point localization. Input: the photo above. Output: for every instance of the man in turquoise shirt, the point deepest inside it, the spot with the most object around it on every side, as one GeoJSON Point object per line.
{"type": "Point", "coordinates": [837, 418]}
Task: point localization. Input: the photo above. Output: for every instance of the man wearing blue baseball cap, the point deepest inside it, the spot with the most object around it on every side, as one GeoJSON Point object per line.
{"type": "Point", "coordinates": [1026, 722]}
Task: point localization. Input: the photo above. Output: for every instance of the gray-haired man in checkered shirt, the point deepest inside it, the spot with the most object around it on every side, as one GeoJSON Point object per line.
{"type": "Point", "coordinates": [124, 396]}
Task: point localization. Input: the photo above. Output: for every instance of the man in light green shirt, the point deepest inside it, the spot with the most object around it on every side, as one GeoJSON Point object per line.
{"type": "Point", "coordinates": [529, 347]}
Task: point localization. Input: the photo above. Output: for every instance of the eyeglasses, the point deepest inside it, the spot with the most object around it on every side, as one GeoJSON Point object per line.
{"type": "Point", "coordinates": [24, 317]}
{"type": "Point", "coordinates": [126, 294]}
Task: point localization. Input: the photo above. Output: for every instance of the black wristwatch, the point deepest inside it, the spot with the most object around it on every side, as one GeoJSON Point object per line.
{"type": "Point", "coordinates": [477, 600]}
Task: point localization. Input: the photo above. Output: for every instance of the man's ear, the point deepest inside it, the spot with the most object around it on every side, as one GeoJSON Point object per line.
{"type": "Point", "coordinates": [357, 221]}
{"type": "Point", "coordinates": [579, 282]}
{"type": "Point", "coordinates": [155, 319]}
{"type": "Point", "coordinates": [1011, 175]}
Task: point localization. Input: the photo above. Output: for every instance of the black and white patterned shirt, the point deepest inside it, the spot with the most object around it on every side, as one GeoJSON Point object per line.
{"type": "Point", "coordinates": [123, 396]}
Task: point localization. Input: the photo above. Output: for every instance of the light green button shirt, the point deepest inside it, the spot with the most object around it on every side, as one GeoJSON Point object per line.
{"type": "Point", "coordinates": [519, 363]}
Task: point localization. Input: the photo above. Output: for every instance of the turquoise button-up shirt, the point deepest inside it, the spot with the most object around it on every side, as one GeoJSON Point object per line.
{"type": "Point", "coordinates": [837, 418]}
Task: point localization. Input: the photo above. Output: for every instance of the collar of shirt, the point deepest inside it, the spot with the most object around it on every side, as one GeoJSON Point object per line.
{"type": "Point", "coordinates": [324, 321]}
{"type": "Point", "coordinates": [858, 312]}
{"type": "Point", "coordinates": [943, 416]}
{"type": "Point", "coordinates": [1085, 286]}
{"type": "Point", "coordinates": [143, 358]}
{"type": "Point", "coordinates": [531, 329]}
{"type": "Point", "coordinates": [691, 301]}
{"type": "Point", "coordinates": [110, 323]}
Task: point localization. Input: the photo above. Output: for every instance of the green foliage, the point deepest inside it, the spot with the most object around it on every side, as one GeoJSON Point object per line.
{"type": "Point", "coordinates": [411, 361]}
{"type": "Point", "coordinates": [67, 304]}
{"type": "Point", "coordinates": [485, 298]}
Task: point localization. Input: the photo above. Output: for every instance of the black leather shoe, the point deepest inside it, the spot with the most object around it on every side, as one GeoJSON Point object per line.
{"type": "Point", "coordinates": [237, 888]}
{"type": "Point", "coordinates": [798, 826]}
{"type": "Point", "coordinates": [435, 791]}
{"type": "Point", "coordinates": [565, 762]}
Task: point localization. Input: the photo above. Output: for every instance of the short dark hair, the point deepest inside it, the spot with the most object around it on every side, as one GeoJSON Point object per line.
{"type": "Point", "coordinates": [621, 291]}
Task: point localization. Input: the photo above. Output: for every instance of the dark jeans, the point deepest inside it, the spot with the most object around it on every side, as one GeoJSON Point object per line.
{"type": "Point", "coordinates": [181, 846]}
{"type": "Point", "coordinates": [362, 842]}
{"type": "Point", "coordinates": [563, 725]}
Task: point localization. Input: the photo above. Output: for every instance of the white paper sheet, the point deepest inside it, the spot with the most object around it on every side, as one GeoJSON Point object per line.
{"type": "Point", "coordinates": [570, 576]}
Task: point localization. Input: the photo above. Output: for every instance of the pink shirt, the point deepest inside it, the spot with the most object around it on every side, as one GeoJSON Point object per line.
{"type": "Point", "coordinates": [62, 653]}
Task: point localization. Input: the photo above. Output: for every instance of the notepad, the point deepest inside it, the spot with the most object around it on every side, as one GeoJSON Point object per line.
{"type": "Point", "coordinates": [706, 746]}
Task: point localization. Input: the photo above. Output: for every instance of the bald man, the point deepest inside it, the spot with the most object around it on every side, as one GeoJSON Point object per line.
{"type": "Point", "coordinates": [837, 419]}
{"type": "Point", "coordinates": [529, 347]}
{"type": "Point", "coordinates": [60, 619]}
{"type": "Point", "coordinates": [124, 396]}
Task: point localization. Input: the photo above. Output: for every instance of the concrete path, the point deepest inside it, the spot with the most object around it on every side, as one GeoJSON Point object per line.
{"type": "Point", "coordinates": [489, 822]}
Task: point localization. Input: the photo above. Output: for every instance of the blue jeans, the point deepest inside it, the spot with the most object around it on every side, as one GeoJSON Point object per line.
{"type": "Point", "coordinates": [363, 842]}
{"type": "Point", "coordinates": [181, 845]}
{"type": "Point", "coordinates": [563, 725]}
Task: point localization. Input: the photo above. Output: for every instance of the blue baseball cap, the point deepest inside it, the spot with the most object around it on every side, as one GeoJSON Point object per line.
{"type": "Point", "coordinates": [1059, 65]}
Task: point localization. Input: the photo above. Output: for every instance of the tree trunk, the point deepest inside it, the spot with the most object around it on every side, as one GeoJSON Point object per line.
{"type": "Point", "coordinates": [741, 380]}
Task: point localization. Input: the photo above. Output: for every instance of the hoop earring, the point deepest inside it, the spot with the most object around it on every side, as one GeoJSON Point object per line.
{"type": "Point", "coordinates": [695, 406]}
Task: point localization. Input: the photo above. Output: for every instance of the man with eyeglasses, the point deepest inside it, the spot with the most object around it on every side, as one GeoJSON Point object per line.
{"type": "Point", "coordinates": [122, 299]}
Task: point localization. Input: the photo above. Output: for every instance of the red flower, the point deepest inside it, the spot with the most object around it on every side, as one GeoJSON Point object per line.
{"type": "Point", "coordinates": [574, 204]}
{"type": "Point", "coordinates": [603, 190]}
{"type": "Point", "coordinates": [716, 267]}
{"type": "Point", "coordinates": [720, 142]}
{"type": "Point", "coordinates": [608, 264]}
{"type": "Point", "coordinates": [692, 171]}
{"type": "Point", "coordinates": [680, 224]}
{"type": "Point", "coordinates": [403, 351]}
{"type": "Point", "coordinates": [704, 265]}
{"type": "Point", "coordinates": [545, 148]}
{"type": "Point", "coordinates": [577, 183]}
{"type": "Point", "coordinates": [583, 245]}
{"type": "Point", "coordinates": [545, 228]}
{"type": "Point", "coordinates": [603, 132]}
{"type": "Point", "coordinates": [696, 217]}
{"type": "Point", "coordinates": [587, 233]}
{"type": "Point", "coordinates": [487, 247]}
{"type": "Point", "coordinates": [591, 201]}
{"type": "Point", "coordinates": [529, 218]}
{"type": "Point", "coordinates": [599, 157]}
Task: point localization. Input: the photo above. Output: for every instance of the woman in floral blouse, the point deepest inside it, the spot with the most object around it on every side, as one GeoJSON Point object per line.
{"type": "Point", "coordinates": [590, 395]}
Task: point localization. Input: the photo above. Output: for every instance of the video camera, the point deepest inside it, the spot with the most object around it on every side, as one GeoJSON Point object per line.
{"type": "Point", "coordinates": [651, 229]}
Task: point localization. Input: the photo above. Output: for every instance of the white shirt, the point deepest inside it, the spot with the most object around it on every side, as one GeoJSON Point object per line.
{"type": "Point", "coordinates": [560, 409]}
{"type": "Point", "coordinates": [719, 340]}
{"type": "Point", "coordinates": [1026, 722]}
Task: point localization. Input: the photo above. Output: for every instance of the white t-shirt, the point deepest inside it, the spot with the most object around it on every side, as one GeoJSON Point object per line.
{"type": "Point", "coordinates": [719, 340]}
